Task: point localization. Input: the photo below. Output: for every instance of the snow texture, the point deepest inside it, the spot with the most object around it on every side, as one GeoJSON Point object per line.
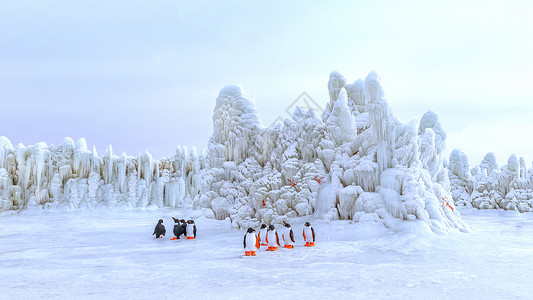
{"type": "Point", "coordinates": [111, 254]}
{"type": "Point", "coordinates": [357, 162]}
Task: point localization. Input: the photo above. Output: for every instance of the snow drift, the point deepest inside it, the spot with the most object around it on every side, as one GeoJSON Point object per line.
{"type": "Point", "coordinates": [357, 161]}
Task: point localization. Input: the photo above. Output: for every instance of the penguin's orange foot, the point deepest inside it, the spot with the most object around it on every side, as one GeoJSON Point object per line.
{"type": "Point", "coordinates": [269, 249]}
{"type": "Point", "coordinates": [312, 244]}
{"type": "Point", "coordinates": [174, 238]}
{"type": "Point", "coordinates": [288, 246]}
{"type": "Point", "coordinates": [190, 238]}
{"type": "Point", "coordinates": [274, 249]}
{"type": "Point", "coordinates": [253, 253]}
{"type": "Point", "coordinates": [247, 253]}
{"type": "Point", "coordinates": [264, 244]}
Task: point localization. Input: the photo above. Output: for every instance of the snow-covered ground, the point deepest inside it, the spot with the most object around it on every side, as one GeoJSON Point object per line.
{"type": "Point", "coordinates": [111, 254]}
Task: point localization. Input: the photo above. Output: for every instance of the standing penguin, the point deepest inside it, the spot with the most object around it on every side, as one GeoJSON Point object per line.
{"type": "Point", "coordinates": [263, 235]}
{"type": "Point", "coordinates": [272, 239]}
{"type": "Point", "coordinates": [183, 227]}
{"type": "Point", "coordinates": [177, 229]}
{"type": "Point", "coordinates": [251, 242]}
{"type": "Point", "coordinates": [287, 236]}
{"type": "Point", "coordinates": [191, 230]}
{"type": "Point", "coordinates": [159, 229]}
{"type": "Point", "coordinates": [309, 235]}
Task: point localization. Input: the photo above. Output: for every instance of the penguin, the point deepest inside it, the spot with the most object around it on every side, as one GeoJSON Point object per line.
{"type": "Point", "coordinates": [287, 236]}
{"type": "Point", "coordinates": [263, 235]}
{"type": "Point", "coordinates": [309, 235]}
{"type": "Point", "coordinates": [177, 229]}
{"type": "Point", "coordinates": [251, 242]}
{"type": "Point", "coordinates": [159, 229]}
{"type": "Point", "coordinates": [183, 227]}
{"type": "Point", "coordinates": [191, 230]}
{"type": "Point", "coordinates": [272, 239]}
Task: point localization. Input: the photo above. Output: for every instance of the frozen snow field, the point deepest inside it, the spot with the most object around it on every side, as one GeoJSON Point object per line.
{"type": "Point", "coordinates": [111, 254]}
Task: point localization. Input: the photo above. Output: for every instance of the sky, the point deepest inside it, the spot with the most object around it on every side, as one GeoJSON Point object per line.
{"type": "Point", "coordinates": [144, 75]}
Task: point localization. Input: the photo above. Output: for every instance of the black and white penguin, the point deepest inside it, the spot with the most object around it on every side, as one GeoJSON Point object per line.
{"type": "Point", "coordinates": [159, 229]}
{"type": "Point", "coordinates": [191, 230]}
{"type": "Point", "coordinates": [263, 235]}
{"type": "Point", "coordinates": [177, 229]}
{"type": "Point", "coordinates": [183, 227]}
{"type": "Point", "coordinates": [251, 242]}
{"type": "Point", "coordinates": [272, 239]}
{"type": "Point", "coordinates": [309, 235]}
{"type": "Point", "coordinates": [287, 236]}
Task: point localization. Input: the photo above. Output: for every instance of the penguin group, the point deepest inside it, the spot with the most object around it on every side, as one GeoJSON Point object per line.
{"type": "Point", "coordinates": [181, 228]}
{"type": "Point", "coordinates": [268, 236]}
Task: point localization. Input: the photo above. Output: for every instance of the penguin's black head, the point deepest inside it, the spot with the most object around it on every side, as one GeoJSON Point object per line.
{"type": "Point", "coordinates": [287, 225]}
{"type": "Point", "coordinates": [307, 224]}
{"type": "Point", "coordinates": [271, 227]}
{"type": "Point", "coordinates": [160, 221]}
{"type": "Point", "coordinates": [263, 226]}
{"type": "Point", "coordinates": [250, 230]}
{"type": "Point", "coordinates": [176, 220]}
{"type": "Point", "coordinates": [182, 221]}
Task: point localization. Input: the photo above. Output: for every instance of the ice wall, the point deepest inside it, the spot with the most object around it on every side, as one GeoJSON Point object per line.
{"type": "Point", "coordinates": [70, 176]}
{"type": "Point", "coordinates": [487, 186]}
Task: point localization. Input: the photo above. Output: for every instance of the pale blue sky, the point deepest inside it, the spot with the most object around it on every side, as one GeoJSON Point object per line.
{"type": "Point", "coordinates": [145, 74]}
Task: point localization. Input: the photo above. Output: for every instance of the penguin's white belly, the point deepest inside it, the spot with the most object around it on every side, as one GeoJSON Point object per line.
{"type": "Point", "coordinates": [308, 234]}
{"type": "Point", "coordinates": [271, 237]}
{"type": "Point", "coordinates": [263, 235]}
{"type": "Point", "coordinates": [250, 242]}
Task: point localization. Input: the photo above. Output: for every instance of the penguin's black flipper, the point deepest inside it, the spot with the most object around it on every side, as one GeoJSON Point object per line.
{"type": "Point", "coordinates": [194, 230]}
{"type": "Point", "coordinates": [277, 239]}
{"type": "Point", "coordinates": [244, 241]}
{"type": "Point", "coordinates": [313, 231]}
{"type": "Point", "coordinates": [292, 236]}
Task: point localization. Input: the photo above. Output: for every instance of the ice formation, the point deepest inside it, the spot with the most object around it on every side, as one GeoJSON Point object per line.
{"type": "Point", "coordinates": [71, 176]}
{"type": "Point", "coordinates": [485, 186]}
{"type": "Point", "coordinates": [356, 161]}
{"type": "Point", "coordinates": [373, 166]}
